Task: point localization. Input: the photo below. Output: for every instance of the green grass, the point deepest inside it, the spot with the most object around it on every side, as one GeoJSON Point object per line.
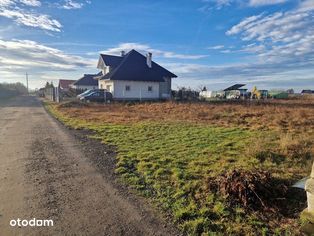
{"type": "Point", "coordinates": [170, 162]}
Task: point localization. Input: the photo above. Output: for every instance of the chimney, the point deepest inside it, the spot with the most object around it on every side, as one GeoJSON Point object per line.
{"type": "Point", "coordinates": [149, 59]}
{"type": "Point", "coordinates": [122, 53]}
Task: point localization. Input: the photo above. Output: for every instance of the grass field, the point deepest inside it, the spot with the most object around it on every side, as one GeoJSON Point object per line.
{"type": "Point", "coordinates": [173, 153]}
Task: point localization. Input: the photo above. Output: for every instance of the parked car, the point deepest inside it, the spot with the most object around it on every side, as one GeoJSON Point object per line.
{"type": "Point", "coordinates": [97, 96]}
{"type": "Point", "coordinates": [84, 93]}
{"type": "Point", "coordinates": [88, 92]}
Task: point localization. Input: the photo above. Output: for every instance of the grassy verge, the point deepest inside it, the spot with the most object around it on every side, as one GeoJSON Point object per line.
{"type": "Point", "coordinates": [173, 162]}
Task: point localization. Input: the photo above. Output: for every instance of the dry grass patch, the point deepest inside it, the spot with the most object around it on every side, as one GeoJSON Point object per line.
{"type": "Point", "coordinates": [170, 151]}
{"type": "Point", "coordinates": [287, 115]}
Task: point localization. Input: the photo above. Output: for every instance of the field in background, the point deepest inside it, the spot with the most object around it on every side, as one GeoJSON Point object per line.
{"type": "Point", "coordinates": [180, 154]}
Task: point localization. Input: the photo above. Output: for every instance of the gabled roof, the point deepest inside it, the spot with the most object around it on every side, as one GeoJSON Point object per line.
{"type": "Point", "coordinates": [87, 80]}
{"type": "Point", "coordinates": [307, 91]}
{"type": "Point", "coordinates": [111, 60]}
{"type": "Point", "coordinates": [64, 83]}
{"type": "Point", "coordinates": [133, 66]}
{"type": "Point", "coordinates": [234, 87]}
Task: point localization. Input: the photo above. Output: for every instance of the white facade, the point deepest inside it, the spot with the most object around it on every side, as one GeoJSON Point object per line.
{"type": "Point", "coordinates": [131, 90]}
{"type": "Point", "coordinates": [206, 94]}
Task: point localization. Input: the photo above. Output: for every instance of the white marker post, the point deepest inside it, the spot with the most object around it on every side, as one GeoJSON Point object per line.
{"type": "Point", "coordinates": [308, 213]}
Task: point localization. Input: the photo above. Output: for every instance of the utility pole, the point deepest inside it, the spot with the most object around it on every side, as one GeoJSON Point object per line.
{"type": "Point", "coordinates": [27, 82]}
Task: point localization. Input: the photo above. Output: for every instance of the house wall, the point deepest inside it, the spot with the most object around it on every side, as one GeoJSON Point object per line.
{"type": "Point", "coordinates": [138, 90]}
{"type": "Point", "coordinates": [106, 70]}
{"type": "Point", "coordinates": [165, 89]}
{"type": "Point", "coordinates": [103, 84]}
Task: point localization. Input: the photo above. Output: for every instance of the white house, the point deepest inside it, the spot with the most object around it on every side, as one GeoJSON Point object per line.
{"type": "Point", "coordinates": [133, 76]}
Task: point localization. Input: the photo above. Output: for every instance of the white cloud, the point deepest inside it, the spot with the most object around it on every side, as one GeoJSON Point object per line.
{"type": "Point", "coordinates": [215, 4]}
{"type": "Point", "coordinates": [14, 10]}
{"type": "Point", "coordinates": [41, 62]}
{"type": "Point", "coordinates": [143, 48]}
{"type": "Point", "coordinates": [219, 4]}
{"type": "Point", "coordinates": [243, 24]}
{"type": "Point", "coordinates": [41, 21]}
{"type": "Point", "coordinates": [28, 54]}
{"type": "Point", "coordinates": [6, 2]}
{"type": "Point", "coordinates": [269, 75]}
{"type": "Point", "coordinates": [279, 48]}
{"type": "Point", "coordinates": [257, 3]}
{"type": "Point", "coordinates": [306, 5]}
{"type": "Point", "coordinates": [281, 36]}
{"type": "Point", "coordinates": [222, 3]}
{"type": "Point", "coordinates": [33, 3]}
{"type": "Point", "coordinates": [70, 4]}
{"type": "Point", "coordinates": [217, 47]}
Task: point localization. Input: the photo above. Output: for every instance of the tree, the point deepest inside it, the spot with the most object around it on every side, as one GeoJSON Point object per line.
{"type": "Point", "coordinates": [12, 89]}
{"type": "Point", "coordinates": [49, 85]}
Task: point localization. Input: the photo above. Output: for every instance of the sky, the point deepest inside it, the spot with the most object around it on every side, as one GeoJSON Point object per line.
{"type": "Point", "coordinates": [212, 43]}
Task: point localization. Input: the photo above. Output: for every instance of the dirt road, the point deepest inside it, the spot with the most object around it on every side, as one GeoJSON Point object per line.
{"type": "Point", "coordinates": [46, 172]}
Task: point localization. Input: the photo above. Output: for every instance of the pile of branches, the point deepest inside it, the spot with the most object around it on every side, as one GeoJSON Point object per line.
{"type": "Point", "coordinates": [254, 190]}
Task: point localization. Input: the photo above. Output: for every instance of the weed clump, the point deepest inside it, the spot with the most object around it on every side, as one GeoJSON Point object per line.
{"type": "Point", "coordinates": [253, 190]}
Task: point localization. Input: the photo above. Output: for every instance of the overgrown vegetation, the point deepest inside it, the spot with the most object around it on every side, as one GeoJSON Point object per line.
{"type": "Point", "coordinates": [215, 168]}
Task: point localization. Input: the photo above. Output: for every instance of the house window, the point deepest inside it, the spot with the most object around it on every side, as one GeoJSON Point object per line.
{"type": "Point", "coordinates": [150, 88]}
{"type": "Point", "coordinates": [127, 88]}
{"type": "Point", "coordinates": [108, 88]}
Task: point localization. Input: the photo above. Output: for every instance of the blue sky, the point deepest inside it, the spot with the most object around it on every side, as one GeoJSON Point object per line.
{"type": "Point", "coordinates": [268, 43]}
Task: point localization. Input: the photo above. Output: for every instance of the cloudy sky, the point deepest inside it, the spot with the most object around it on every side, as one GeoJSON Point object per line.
{"type": "Point", "coordinates": [268, 43]}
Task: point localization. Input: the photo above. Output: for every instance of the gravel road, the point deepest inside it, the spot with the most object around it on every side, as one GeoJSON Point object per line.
{"type": "Point", "coordinates": [50, 172]}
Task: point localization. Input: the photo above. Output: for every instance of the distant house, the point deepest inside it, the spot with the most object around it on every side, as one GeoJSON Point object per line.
{"type": "Point", "coordinates": [307, 91]}
{"type": "Point", "coordinates": [235, 91]}
{"type": "Point", "coordinates": [133, 76]}
{"type": "Point", "coordinates": [65, 85]}
{"type": "Point", "coordinates": [88, 81]}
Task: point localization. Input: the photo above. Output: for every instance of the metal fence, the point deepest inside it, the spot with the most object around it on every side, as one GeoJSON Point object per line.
{"type": "Point", "coordinates": [53, 94]}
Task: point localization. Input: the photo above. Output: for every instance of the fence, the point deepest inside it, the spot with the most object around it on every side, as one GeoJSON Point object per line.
{"type": "Point", "coordinates": [53, 94]}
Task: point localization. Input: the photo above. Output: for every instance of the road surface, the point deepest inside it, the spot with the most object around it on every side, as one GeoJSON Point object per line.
{"type": "Point", "coordinates": [45, 173]}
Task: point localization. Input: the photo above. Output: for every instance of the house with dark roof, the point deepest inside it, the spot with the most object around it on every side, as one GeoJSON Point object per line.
{"type": "Point", "coordinates": [133, 76]}
{"type": "Point", "coordinates": [307, 91]}
{"type": "Point", "coordinates": [65, 85]}
{"type": "Point", "coordinates": [88, 81]}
